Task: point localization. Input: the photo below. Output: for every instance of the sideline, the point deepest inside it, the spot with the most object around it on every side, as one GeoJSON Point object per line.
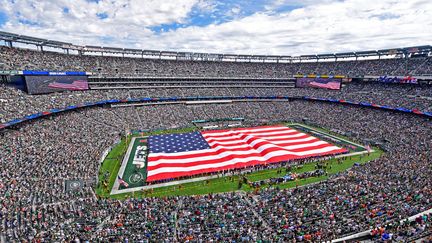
{"type": "Point", "coordinates": [125, 160]}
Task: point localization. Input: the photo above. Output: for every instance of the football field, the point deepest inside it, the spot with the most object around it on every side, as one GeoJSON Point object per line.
{"type": "Point", "coordinates": [140, 167]}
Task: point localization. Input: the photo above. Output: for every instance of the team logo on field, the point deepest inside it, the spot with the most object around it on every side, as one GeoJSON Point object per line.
{"type": "Point", "coordinates": [136, 177]}
{"type": "Point", "coordinates": [75, 185]}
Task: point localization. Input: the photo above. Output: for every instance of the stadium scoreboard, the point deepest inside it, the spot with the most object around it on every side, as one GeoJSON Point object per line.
{"type": "Point", "coordinates": [319, 81]}
{"type": "Point", "coordinates": [43, 82]}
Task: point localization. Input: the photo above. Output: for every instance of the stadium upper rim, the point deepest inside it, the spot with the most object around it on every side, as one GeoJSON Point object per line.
{"type": "Point", "coordinates": [10, 38]}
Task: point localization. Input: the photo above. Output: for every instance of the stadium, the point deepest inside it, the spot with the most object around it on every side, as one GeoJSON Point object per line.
{"type": "Point", "coordinates": [131, 144]}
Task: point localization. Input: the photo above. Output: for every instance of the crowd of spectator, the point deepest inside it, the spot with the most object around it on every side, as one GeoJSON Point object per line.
{"type": "Point", "coordinates": [37, 157]}
{"type": "Point", "coordinates": [15, 103]}
{"type": "Point", "coordinates": [111, 66]}
{"type": "Point", "coordinates": [406, 230]}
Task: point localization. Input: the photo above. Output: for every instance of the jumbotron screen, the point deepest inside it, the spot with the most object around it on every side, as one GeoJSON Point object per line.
{"type": "Point", "coordinates": [323, 83]}
{"type": "Point", "coordinates": [49, 84]}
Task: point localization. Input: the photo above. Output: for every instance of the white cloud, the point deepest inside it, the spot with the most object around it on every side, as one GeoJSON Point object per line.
{"type": "Point", "coordinates": [207, 6]}
{"type": "Point", "coordinates": [126, 18]}
{"type": "Point", "coordinates": [316, 27]}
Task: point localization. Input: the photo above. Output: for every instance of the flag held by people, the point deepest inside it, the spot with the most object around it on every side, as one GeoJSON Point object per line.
{"type": "Point", "coordinates": [368, 149]}
{"type": "Point", "coordinates": [177, 155]}
{"type": "Point", "coordinates": [122, 182]}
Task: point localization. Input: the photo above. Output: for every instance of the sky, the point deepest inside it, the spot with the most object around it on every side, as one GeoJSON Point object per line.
{"type": "Point", "coordinates": [268, 27]}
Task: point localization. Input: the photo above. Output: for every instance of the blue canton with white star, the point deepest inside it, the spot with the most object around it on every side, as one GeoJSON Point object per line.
{"type": "Point", "coordinates": [174, 143]}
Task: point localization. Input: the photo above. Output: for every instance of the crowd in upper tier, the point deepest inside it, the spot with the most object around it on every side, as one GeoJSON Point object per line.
{"type": "Point", "coordinates": [15, 103]}
{"type": "Point", "coordinates": [25, 59]}
{"type": "Point", "coordinates": [37, 157]}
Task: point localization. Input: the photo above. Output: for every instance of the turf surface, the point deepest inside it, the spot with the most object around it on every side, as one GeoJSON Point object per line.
{"type": "Point", "coordinates": [225, 184]}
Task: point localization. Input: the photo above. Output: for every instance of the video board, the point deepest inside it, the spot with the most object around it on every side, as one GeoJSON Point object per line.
{"type": "Point", "coordinates": [398, 80]}
{"type": "Point", "coordinates": [48, 84]}
{"type": "Point", "coordinates": [323, 83]}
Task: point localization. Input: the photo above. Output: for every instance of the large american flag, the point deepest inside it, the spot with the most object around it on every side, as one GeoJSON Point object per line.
{"type": "Point", "coordinates": [176, 155]}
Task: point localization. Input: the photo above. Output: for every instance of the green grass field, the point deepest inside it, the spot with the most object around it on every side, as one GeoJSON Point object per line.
{"type": "Point", "coordinates": [225, 184]}
{"type": "Point", "coordinates": [110, 168]}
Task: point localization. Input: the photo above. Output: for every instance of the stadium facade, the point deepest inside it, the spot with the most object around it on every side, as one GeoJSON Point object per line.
{"type": "Point", "coordinates": [40, 44]}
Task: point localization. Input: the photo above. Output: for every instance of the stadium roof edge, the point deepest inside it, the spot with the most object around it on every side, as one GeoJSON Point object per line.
{"type": "Point", "coordinates": [11, 38]}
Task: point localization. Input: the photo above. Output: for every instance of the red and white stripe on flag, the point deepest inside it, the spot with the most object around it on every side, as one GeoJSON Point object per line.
{"type": "Point", "coordinates": [239, 148]}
